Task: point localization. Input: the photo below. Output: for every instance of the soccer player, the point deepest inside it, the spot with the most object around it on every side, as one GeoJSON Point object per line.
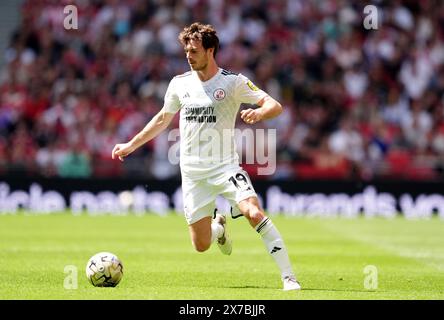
{"type": "Point", "coordinates": [209, 98]}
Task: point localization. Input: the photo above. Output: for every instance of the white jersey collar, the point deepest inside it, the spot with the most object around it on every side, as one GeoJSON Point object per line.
{"type": "Point", "coordinates": [213, 78]}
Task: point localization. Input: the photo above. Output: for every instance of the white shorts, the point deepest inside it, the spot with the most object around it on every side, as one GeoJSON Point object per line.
{"type": "Point", "coordinates": [199, 196]}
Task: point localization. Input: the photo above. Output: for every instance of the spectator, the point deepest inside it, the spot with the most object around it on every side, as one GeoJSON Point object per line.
{"type": "Point", "coordinates": [75, 164]}
{"type": "Point", "coordinates": [101, 83]}
{"type": "Point", "coordinates": [347, 141]}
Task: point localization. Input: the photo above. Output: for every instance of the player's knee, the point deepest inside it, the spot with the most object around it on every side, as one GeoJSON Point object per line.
{"type": "Point", "coordinates": [256, 217]}
{"type": "Point", "coordinates": [254, 214]}
{"type": "Point", "coordinates": [201, 246]}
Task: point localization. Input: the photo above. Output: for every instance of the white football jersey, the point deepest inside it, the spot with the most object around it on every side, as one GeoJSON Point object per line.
{"type": "Point", "coordinates": [208, 111]}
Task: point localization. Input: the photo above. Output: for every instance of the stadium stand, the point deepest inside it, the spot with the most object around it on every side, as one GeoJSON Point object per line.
{"type": "Point", "coordinates": [357, 103]}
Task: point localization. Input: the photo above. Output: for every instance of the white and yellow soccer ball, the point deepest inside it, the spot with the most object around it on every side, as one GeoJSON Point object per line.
{"type": "Point", "coordinates": [104, 269]}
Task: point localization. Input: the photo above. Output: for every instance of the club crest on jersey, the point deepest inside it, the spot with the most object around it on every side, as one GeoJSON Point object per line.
{"type": "Point", "coordinates": [219, 94]}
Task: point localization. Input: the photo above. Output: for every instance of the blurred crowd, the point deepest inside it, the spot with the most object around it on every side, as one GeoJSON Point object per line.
{"type": "Point", "coordinates": [358, 103]}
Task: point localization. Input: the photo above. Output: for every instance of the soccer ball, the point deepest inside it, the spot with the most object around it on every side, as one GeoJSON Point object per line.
{"type": "Point", "coordinates": [104, 269]}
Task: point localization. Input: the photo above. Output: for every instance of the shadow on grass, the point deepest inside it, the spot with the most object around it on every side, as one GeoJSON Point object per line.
{"type": "Point", "coordinates": [341, 290]}
{"type": "Point", "coordinates": [303, 289]}
{"type": "Point", "coordinates": [249, 287]}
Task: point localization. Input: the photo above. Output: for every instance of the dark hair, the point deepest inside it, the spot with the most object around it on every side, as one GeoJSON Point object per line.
{"type": "Point", "coordinates": [203, 32]}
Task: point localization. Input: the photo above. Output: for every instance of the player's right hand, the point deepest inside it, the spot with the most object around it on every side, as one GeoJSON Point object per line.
{"type": "Point", "coordinates": [121, 150]}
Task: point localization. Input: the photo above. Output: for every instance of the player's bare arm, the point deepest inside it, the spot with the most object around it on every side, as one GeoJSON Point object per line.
{"type": "Point", "coordinates": [156, 125]}
{"type": "Point", "coordinates": [269, 109]}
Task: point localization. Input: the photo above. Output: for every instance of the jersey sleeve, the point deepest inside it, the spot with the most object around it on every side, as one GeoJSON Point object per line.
{"type": "Point", "coordinates": [247, 92]}
{"type": "Point", "coordinates": [171, 102]}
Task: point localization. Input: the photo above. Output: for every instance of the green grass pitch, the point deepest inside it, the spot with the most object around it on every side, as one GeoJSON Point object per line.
{"type": "Point", "coordinates": [328, 255]}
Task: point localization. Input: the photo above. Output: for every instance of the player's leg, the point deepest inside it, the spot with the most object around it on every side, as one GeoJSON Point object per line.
{"type": "Point", "coordinates": [200, 233]}
{"type": "Point", "coordinates": [202, 227]}
{"type": "Point", "coordinates": [272, 239]}
{"type": "Point", "coordinates": [239, 189]}
{"type": "Point", "coordinates": [204, 230]}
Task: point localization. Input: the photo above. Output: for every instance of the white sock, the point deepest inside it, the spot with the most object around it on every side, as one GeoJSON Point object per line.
{"type": "Point", "coordinates": [275, 246]}
{"type": "Point", "coordinates": [216, 231]}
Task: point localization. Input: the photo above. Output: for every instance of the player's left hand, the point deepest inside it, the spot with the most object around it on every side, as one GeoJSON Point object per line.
{"type": "Point", "coordinates": [251, 116]}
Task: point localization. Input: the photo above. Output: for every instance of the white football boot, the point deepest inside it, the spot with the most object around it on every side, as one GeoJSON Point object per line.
{"type": "Point", "coordinates": [290, 283]}
{"type": "Point", "coordinates": [224, 242]}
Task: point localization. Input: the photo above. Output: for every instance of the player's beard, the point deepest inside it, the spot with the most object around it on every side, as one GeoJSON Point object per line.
{"type": "Point", "coordinates": [200, 67]}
